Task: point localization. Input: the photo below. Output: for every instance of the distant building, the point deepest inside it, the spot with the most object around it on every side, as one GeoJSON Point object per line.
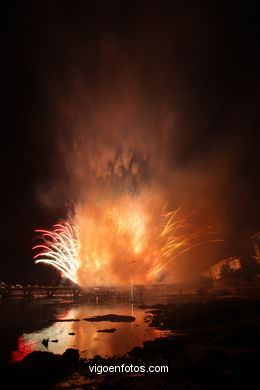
{"type": "Point", "coordinates": [256, 244]}
{"type": "Point", "coordinates": [230, 264]}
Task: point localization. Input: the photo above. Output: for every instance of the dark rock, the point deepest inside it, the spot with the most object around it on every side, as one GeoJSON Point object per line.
{"type": "Point", "coordinates": [72, 333]}
{"type": "Point", "coordinates": [212, 313]}
{"type": "Point", "coordinates": [40, 369]}
{"type": "Point", "coordinates": [216, 360]}
{"type": "Point", "coordinates": [160, 348]}
{"type": "Point", "coordinates": [245, 337]}
{"type": "Point", "coordinates": [45, 342]}
{"type": "Point", "coordinates": [111, 330]}
{"type": "Point", "coordinates": [71, 356]}
{"type": "Point", "coordinates": [111, 318]}
{"type": "Point", "coordinates": [69, 320]}
{"type": "Point", "coordinates": [55, 341]}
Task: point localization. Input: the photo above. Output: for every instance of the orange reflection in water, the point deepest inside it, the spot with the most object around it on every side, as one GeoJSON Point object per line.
{"type": "Point", "coordinates": [23, 349]}
{"type": "Point", "coordinates": [87, 339]}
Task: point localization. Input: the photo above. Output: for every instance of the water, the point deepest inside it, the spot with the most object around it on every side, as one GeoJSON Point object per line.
{"type": "Point", "coordinates": [25, 323]}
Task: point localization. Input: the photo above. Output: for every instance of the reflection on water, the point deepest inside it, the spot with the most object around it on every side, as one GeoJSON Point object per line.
{"type": "Point", "coordinates": [86, 338]}
{"type": "Point", "coordinates": [23, 349]}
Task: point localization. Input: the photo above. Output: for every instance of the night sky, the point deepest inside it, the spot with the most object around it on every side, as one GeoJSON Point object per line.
{"type": "Point", "coordinates": [195, 68]}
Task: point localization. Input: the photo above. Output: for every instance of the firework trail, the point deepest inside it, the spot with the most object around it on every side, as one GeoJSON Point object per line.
{"type": "Point", "coordinates": [60, 249]}
{"type": "Point", "coordinates": [178, 236]}
{"type": "Point", "coordinates": [152, 248]}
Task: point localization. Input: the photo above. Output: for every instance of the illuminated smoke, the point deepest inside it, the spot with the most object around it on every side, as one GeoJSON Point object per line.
{"type": "Point", "coordinates": [119, 242]}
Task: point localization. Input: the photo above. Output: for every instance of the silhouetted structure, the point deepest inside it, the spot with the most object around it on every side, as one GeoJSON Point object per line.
{"type": "Point", "coordinates": [225, 268]}
{"type": "Point", "coordinates": [256, 243]}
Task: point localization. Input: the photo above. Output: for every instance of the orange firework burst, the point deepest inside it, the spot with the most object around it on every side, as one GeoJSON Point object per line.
{"type": "Point", "coordinates": [99, 249]}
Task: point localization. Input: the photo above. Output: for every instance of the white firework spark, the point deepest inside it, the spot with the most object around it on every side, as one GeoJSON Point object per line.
{"type": "Point", "coordinates": [61, 249]}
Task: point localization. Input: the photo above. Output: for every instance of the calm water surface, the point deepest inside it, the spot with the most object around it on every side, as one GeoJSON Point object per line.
{"type": "Point", "coordinates": [24, 325]}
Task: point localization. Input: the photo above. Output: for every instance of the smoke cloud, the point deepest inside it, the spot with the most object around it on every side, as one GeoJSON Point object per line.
{"type": "Point", "coordinates": [138, 114]}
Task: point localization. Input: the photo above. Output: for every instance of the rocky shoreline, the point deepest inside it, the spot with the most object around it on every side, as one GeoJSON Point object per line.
{"type": "Point", "coordinates": [213, 345]}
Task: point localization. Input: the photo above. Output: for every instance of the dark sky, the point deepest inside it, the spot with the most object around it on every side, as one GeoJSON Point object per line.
{"type": "Point", "coordinates": [194, 67]}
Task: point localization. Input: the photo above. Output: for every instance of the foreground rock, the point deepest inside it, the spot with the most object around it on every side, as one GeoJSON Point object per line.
{"type": "Point", "coordinates": [219, 311]}
{"type": "Point", "coordinates": [39, 370]}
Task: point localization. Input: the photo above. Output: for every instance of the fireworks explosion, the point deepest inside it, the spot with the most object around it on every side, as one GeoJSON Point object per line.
{"type": "Point", "coordinates": [120, 229]}
{"type": "Point", "coordinates": [144, 244]}
{"type": "Point", "coordinates": [60, 249]}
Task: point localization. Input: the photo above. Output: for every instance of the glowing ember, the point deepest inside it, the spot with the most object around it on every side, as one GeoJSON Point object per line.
{"type": "Point", "coordinates": [127, 241]}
